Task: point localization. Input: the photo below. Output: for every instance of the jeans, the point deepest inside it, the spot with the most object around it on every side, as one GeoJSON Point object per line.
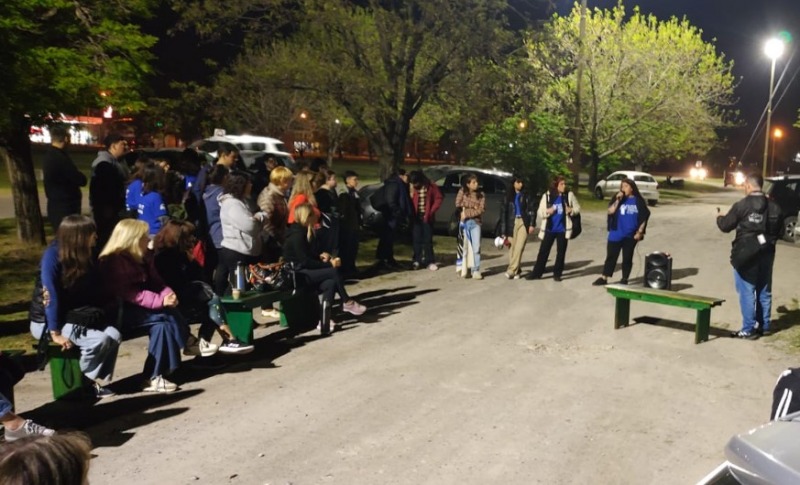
{"type": "Point", "coordinates": [560, 239]}
{"type": "Point", "coordinates": [613, 248]}
{"type": "Point", "coordinates": [755, 297]}
{"type": "Point", "coordinates": [168, 332]}
{"type": "Point", "coordinates": [422, 236]}
{"type": "Point", "coordinates": [98, 348]}
{"type": "Point", "coordinates": [5, 406]}
{"type": "Point", "coordinates": [472, 232]}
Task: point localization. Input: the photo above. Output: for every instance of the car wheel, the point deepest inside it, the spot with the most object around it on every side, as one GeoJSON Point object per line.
{"type": "Point", "coordinates": [598, 193]}
{"type": "Point", "coordinates": [652, 202]}
{"type": "Point", "coordinates": [789, 225]}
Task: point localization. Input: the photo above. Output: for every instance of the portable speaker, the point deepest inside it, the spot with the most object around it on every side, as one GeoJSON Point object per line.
{"type": "Point", "coordinates": [658, 271]}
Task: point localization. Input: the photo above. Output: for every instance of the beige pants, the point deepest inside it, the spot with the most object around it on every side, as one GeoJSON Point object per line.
{"type": "Point", "coordinates": [518, 242]}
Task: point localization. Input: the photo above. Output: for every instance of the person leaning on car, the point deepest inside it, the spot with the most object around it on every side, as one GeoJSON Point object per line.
{"type": "Point", "coordinates": [757, 221]}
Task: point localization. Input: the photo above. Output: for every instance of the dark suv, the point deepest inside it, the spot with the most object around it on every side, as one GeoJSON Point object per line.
{"type": "Point", "coordinates": [785, 191]}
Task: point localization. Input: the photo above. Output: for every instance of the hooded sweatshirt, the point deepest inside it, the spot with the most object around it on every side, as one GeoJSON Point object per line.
{"type": "Point", "coordinates": [241, 232]}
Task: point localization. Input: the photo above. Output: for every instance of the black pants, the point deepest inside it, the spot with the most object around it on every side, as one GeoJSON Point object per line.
{"type": "Point", "coordinates": [57, 210]}
{"type": "Point", "coordinates": [544, 252]}
{"type": "Point", "coordinates": [627, 246]}
{"type": "Point", "coordinates": [385, 250]}
{"type": "Point", "coordinates": [422, 240]}
{"type": "Point", "coordinates": [326, 281]}
{"type": "Point", "coordinates": [105, 218]}
{"type": "Point", "coordinates": [226, 268]}
{"type": "Point", "coordinates": [348, 250]}
{"type": "Point", "coordinates": [212, 260]}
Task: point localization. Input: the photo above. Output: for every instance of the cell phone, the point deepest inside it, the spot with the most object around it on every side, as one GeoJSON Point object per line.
{"type": "Point", "coordinates": [717, 210]}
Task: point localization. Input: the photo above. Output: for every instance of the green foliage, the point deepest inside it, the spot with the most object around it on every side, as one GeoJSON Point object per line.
{"type": "Point", "coordinates": [534, 147]}
{"type": "Point", "coordinates": [653, 88]}
{"type": "Point", "coordinates": [58, 55]}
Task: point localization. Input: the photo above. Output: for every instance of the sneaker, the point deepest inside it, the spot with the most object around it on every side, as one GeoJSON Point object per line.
{"type": "Point", "coordinates": [623, 281]}
{"type": "Point", "coordinates": [159, 384]}
{"type": "Point", "coordinates": [354, 308]}
{"type": "Point", "coordinates": [745, 335]}
{"type": "Point", "coordinates": [415, 265]}
{"type": "Point", "coordinates": [517, 276]}
{"type": "Point", "coordinates": [600, 282]}
{"type": "Point", "coordinates": [530, 276]}
{"type": "Point", "coordinates": [476, 275]}
{"type": "Point", "coordinates": [556, 278]}
{"type": "Point", "coordinates": [102, 392]}
{"type": "Point", "coordinates": [235, 346]}
{"type": "Point", "coordinates": [270, 313]}
{"type": "Point", "coordinates": [29, 428]}
{"type": "Point", "coordinates": [458, 269]}
{"type": "Point", "coordinates": [201, 347]}
{"type": "Point", "coordinates": [509, 276]}
{"type": "Point", "coordinates": [433, 267]}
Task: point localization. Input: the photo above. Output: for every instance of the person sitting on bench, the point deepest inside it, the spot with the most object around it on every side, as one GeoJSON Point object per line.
{"type": "Point", "coordinates": [180, 271]}
{"type": "Point", "coordinates": [128, 271]}
{"type": "Point", "coordinates": [15, 426]}
{"type": "Point", "coordinates": [66, 302]}
{"type": "Point", "coordinates": [317, 269]}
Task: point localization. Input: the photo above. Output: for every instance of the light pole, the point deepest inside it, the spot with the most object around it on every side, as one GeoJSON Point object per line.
{"type": "Point", "coordinates": [777, 134]}
{"type": "Point", "coordinates": [773, 49]}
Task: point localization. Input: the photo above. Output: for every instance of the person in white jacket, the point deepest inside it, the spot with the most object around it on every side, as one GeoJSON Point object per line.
{"type": "Point", "coordinates": [556, 209]}
{"type": "Point", "coordinates": [241, 229]}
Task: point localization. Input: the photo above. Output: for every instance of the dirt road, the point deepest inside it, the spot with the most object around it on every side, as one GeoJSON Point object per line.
{"type": "Point", "coordinates": [450, 381]}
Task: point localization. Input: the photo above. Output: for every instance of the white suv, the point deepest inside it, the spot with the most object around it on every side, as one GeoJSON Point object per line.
{"type": "Point", "coordinates": [250, 148]}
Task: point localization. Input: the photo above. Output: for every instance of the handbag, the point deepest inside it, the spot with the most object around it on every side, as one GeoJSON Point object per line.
{"type": "Point", "coordinates": [87, 317]}
{"type": "Point", "coordinates": [577, 227]}
{"type": "Point", "coordinates": [275, 277]}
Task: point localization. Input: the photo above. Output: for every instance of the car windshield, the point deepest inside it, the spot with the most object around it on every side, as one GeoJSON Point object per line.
{"type": "Point", "coordinates": [644, 178]}
{"type": "Point", "coordinates": [768, 184]}
{"type": "Point", "coordinates": [258, 147]}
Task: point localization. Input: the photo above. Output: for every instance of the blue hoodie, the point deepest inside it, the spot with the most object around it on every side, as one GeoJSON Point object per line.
{"type": "Point", "coordinates": [211, 202]}
{"type": "Point", "coordinates": [151, 210]}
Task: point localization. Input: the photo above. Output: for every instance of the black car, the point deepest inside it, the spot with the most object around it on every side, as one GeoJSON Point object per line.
{"type": "Point", "coordinates": [494, 184]}
{"type": "Point", "coordinates": [785, 191]}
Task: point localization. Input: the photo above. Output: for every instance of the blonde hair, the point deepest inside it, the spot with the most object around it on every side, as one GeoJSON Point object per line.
{"type": "Point", "coordinates": [60, 459]}
{"type": "Point", "coordinates": [126, 237]}
{"type": "Point", "coordinates": [305, 216]}
{"type": "Point", "coordinates": [302, 185]}
{"type": "Point", "coordinates": [280, 175]}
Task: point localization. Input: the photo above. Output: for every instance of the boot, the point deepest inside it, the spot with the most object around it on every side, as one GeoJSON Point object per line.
{"type": "Point", "coordinates": [325, 322]}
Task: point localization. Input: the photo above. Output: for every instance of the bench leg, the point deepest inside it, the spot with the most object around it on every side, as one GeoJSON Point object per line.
{"type": "Point", "coordinates": [241, 323]}
{"type": "Point", "coordinates": [702, 325]}
{"type": "Point", "coordinates": [301, 311]}
{"type": "Point", "coordinates": [65, 372]}
{"type": "Point", "coordinates": [622, 313]}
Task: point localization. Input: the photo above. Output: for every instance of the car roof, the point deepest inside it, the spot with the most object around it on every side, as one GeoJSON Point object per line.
{"type": "Point", "coordinates": [465, 168]}
{"type": "Point", "coordinates": [783, 177]}
{"type": "Point", "coordinates": [631, 172]}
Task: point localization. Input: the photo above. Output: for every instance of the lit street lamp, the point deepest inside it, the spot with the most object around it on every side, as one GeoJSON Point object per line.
{"type": "Point", "coordinates": [777, 134]}
{"type": "Point", "coordinates": [773, 49]}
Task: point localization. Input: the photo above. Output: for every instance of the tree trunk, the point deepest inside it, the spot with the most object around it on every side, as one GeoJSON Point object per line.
{"type": "Point", "coordinates": [15, 152]}
{"type": "Point", "coordinates": [595, 164]}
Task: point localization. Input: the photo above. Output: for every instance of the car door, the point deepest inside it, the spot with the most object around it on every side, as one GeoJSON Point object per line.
{"type": "Point", "coordinates": [494, 190]}
{"type": "Point", "coordinates": [613, 183]}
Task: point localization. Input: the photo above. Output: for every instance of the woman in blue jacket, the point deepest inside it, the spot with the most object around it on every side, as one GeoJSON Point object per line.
{"type": "Point", "coordinates": [627, 220]}
{"type": "Point", "coordinates": [152, 208]}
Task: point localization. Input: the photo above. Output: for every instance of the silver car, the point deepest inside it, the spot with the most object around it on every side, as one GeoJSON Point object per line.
{"type": "Point", "coordinates": [645, 182]}
{"type": "Point", "coordinates": [494, 184]}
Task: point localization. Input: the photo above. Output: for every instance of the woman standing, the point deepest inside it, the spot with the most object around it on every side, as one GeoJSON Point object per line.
{"type": "Point", "coordinates": [128, 271]}
{"type": "Point", "coordinates": [67, 302]}
{"type": "Point", "coordinates": [152, 208]}
{"type": "Point", "coordinates": [516, 223]}
{"type": "Point", "coordinates": [471, 201]}
{"type": "Point", "coordinates": [272, 201]}
{"type": "Point", "coordinates": [627, 220]}
{"type": "Point", "coordinates": [556, 209]}
{"type": "Point", "coordinates": [241, 229]}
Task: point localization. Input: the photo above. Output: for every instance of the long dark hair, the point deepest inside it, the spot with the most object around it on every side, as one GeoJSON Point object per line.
{"type": "Point", "coordinates": [153, 179]}
{"type": "Point", "coordinates": [554, 188]}
{"type": "Point", "coordinates": [511, 194]}
{"type": "Point", "coordinates": [236, 184]}
{"type": "Point", "coordinates": [633, 186]}
{"type": "Point", "coordinates": [75, 244]}
{"type": "Point", "coordinates": [466, 179]}
{"type": "Point", "coordinates": [175, 234]}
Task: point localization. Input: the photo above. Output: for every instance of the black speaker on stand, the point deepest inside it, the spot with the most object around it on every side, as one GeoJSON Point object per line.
{"type": "Point", "coordinates": [658, 271]}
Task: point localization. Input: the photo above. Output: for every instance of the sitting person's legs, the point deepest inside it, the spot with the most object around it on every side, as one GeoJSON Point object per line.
{"type": "Point", "coordinates": [17, 427]}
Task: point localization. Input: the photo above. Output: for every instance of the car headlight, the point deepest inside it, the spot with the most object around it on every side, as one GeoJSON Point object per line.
{"type": "Point", "coordinates": [738, 177]}
{"type": "Point", "coordinates": [694, 173]}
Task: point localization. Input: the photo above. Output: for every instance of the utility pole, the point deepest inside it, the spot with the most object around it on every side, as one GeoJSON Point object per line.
{"type": "Point", "coordinates": [575, 157]}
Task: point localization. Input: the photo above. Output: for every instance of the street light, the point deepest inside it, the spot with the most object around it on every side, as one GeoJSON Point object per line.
{"type": "Point", "coordinates": [777, 134]}
{"type": "Point", "coordinates": [773, 49]}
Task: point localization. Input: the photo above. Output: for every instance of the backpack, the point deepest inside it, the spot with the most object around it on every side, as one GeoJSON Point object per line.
{"type": "Point", "coordinates": [786, 395]}
{"type": "Point", "coordinates": [378, 199]}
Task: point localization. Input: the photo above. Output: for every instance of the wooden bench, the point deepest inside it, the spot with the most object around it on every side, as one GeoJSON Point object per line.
{"type": "Point", "coordinates": [703, 304]}
{"type": "Point", "coordinates": [299, 310]}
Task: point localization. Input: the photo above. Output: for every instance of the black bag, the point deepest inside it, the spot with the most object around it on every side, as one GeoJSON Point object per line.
{"type": "Point", "coordinates": [786, 395]}
{"type": "Point", "coordinates": [746, 250]}
{"type": "Point", "coordinates": [577, 227]}
{"type": "Point", "coordinates": [87, 317]}
{"type": "Point", "coordinates": [378, 199]}
{"type": "Point", "coordinates": [271, 277]}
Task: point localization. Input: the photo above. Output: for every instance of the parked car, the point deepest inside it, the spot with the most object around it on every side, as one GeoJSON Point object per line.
{"type": "Point", "coordinates": [644, 181]}
{"type": "Point", "coordinates": [170, 155]}
{"type": "Point", "coordinates": [734, 178]}
{"type": "Point", "coordinates": [767, 454]}
{"type": "Point", "coordinates": [494, 184]}
{"type": "Point", "coordinates": [785, 191]}
{"type": "Point", "coordinates": [251, 148]}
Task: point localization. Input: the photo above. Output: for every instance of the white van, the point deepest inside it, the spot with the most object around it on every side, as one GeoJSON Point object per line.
{"type": "Point", "coordinates": [250, 147]}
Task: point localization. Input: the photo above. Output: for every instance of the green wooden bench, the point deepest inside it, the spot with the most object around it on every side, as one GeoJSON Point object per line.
{"type": "Point", "coordinates": [299, 310]}
{"type": "Point", "coordinates": [703, 304]}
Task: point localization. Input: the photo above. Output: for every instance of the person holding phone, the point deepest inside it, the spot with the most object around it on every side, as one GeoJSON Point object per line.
{"type": "Point", "coordinates": [627, 220]}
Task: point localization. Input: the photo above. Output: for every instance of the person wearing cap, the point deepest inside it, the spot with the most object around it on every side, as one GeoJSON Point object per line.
{"type": "Point", "coordinates": [107, 186]}
{"type": "Point", "coordinates": [62, 179]}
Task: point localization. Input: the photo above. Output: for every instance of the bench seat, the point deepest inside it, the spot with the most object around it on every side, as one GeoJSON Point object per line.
{"type": "Point", "coordinates": [299, 310]}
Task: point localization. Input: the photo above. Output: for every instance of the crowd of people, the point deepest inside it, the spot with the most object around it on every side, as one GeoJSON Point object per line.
{"type": "Point", "coordinates": [140, 266]}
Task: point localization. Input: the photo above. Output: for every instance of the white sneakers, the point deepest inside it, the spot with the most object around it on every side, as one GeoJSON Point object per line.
{"type": "Point", "coordinates": [201, 347]}
{"type": "Point", "coordinates": [29, 428]}
{"type": "Point", "coordinates": [159, 384]}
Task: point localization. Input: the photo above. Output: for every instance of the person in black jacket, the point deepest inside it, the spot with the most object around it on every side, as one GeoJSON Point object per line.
{"type": "Point", "coordinates": [107, 186]}
{"type": "Point", "coordinates": [317, 268]}
{"type": "Point", "coordinates": [627, 221]}
{"type": "Point", "coordinates": [396, 209]}
{"type": "Point", "coordinates": [62, 179]}
{"type": "Point", "coordinates": [350, 211]}
{"type": "Point", "coordinates": [757, 221]}
{"type": "Point", "coordinates": [517, 221]}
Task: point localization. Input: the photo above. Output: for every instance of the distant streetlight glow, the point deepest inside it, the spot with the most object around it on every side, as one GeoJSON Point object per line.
{"type": "Point", "coordinates": [777, 134]}
{"type": "Point", "coordinates": [773, 49]}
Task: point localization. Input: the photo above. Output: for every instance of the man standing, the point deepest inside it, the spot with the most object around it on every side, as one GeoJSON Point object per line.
{"type": "Point", "coordinates": [425, 201]}
{"type": "Point", "coordinates": [757, 221]}
{"type": "Point", "coordinates": [107, 186]}
{"type": "Point", "coordinates": [62, 179]}
{"type": "Point", "coordinates": [396, 209]}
